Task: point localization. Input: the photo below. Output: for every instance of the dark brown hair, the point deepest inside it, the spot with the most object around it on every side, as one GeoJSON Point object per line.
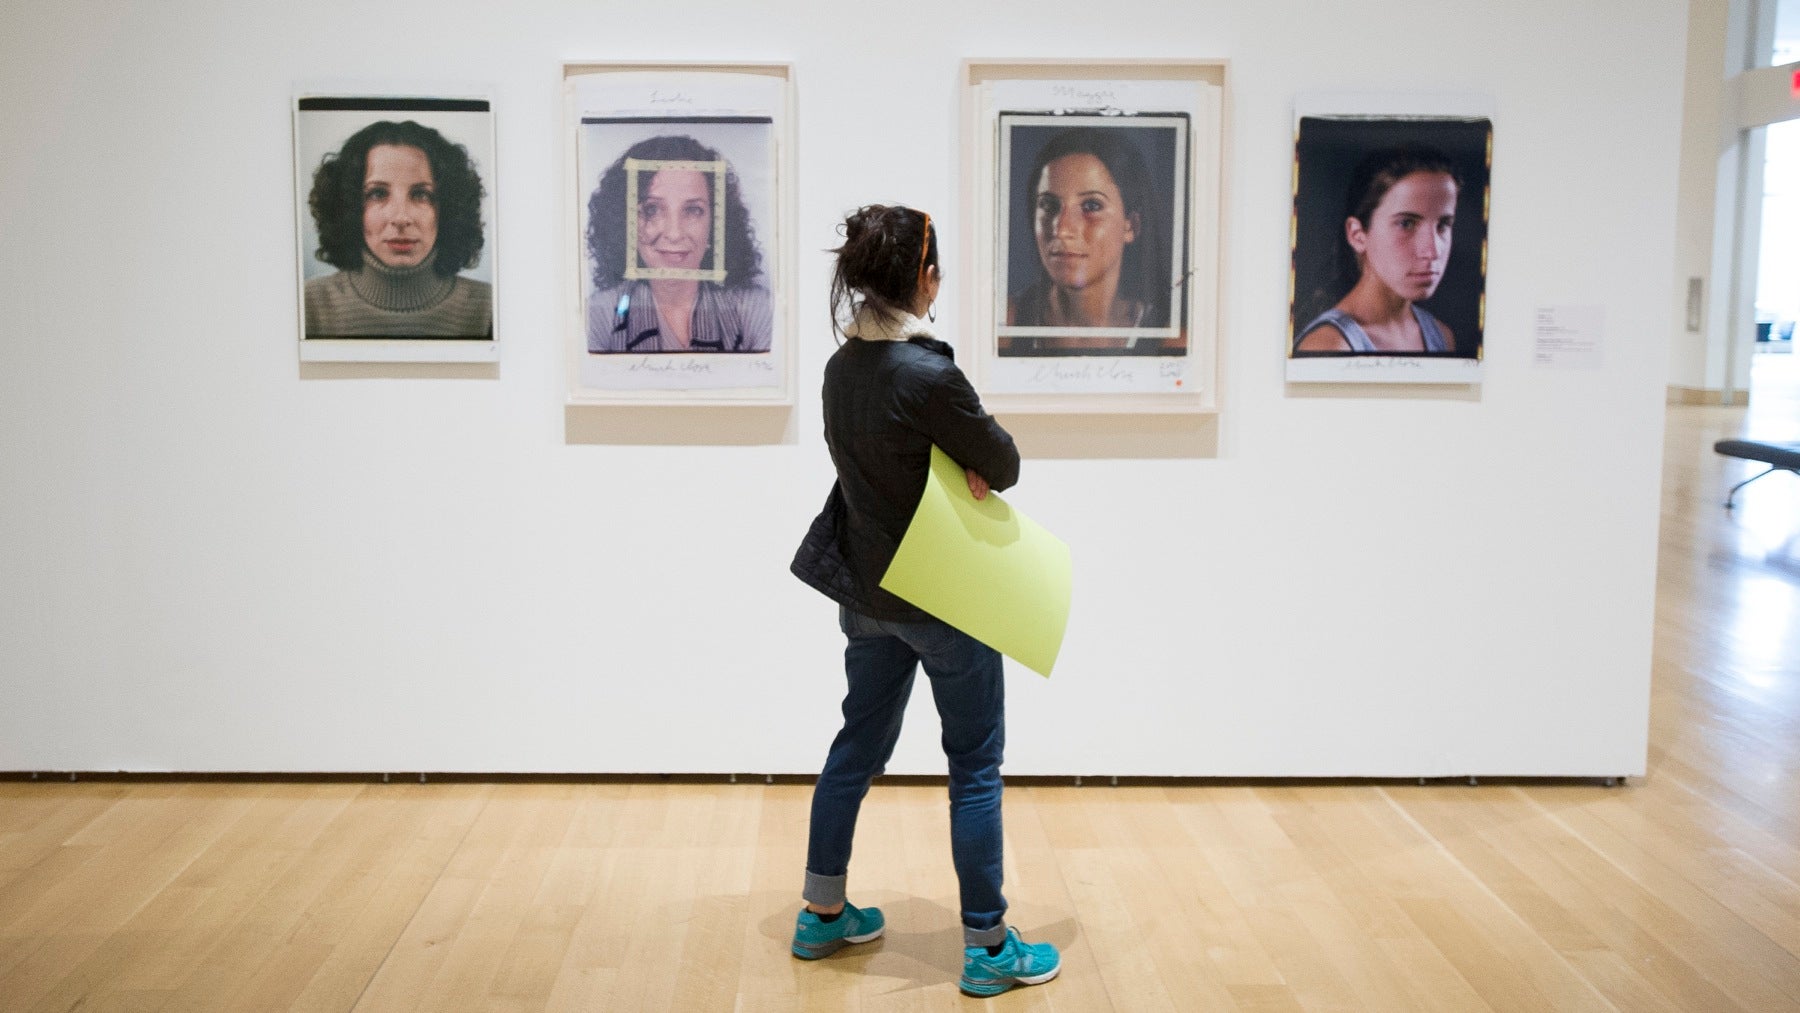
{"type": "Point", "coordinates": [337, 196]}
{"type": "Point", "coordinates": [882, 263]}
{"type": "Point", "coordinates": [1377, 173]}
{"type": "Point", "coordinates": [609, 218]}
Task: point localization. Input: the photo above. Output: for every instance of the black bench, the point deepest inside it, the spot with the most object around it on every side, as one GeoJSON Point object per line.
{"type": "Point", "coordinates": [1778, 456]}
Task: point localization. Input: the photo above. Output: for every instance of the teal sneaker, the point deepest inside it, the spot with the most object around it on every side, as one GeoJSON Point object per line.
{"type": "Point", "coordinates": [814, 938]}
{"type": "Point", "coordinates": [1019, 963]}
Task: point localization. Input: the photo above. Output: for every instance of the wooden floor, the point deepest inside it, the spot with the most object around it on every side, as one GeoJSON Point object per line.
{"type": "Point", "coordinates": [1677, 892]}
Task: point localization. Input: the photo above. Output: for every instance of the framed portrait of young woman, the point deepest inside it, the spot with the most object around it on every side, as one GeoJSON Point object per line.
{"type": "Point", "coordinates": [1388, 277]}
{"type": "Point", "coordinates": [394, 211]}
{"type": "Point", "coordinates": [1092, 195]}
{"type": "Point", "coordinates": [678, 204]}
{"type": "Point", "coordinates": [1092, 235]}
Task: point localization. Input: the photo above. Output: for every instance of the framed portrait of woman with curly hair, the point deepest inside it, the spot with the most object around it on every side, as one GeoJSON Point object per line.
{"type": "Point", "coordinates": [677, 201]}
{"type": "Point", "coordinates": [395, 214]}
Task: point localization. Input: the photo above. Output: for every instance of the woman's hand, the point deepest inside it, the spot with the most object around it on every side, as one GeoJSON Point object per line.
{"type": "Point", "coordinates": [978, 486]}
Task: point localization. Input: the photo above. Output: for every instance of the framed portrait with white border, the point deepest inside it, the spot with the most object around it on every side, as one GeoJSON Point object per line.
{"type": "Point", "coordinates": [394, 210]}
{"type": "Point", "coordinates": [1388, 270]}
{"type": "Point", "coordinates": [1092, 228]}
{"type": "Point", "coordinates": [680, 195]}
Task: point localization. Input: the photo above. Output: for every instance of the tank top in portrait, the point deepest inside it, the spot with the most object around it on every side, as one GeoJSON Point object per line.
{"type": "Point", "coordinates": [1359, 338]}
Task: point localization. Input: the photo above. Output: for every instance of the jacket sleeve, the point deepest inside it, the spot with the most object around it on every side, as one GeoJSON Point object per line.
{"type": "Point", "coordinates": [956, 422]}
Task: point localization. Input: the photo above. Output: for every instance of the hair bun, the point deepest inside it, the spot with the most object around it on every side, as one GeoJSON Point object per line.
{"type": "Point", "coordinates": [881, 263]}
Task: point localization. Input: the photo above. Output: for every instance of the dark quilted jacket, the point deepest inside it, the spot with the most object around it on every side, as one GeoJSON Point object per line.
{"type": "Point", "coordinates": [886, 403]}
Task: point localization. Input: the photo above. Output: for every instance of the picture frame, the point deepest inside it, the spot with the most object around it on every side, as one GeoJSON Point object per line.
{"type": "Point", "coordinates": [1092, 200]}
{"type": "Point", "coordinates": [1391, 203]}
{"type": "Point", "coordinates": [680, 204]}
{"type": "Point", "coordinates": [413, 277]}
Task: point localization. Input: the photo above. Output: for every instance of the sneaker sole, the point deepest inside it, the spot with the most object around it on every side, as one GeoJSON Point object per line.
{"type": "Point", "coordinates": [985, 989]}
{"type": "Point", "coordinates": [814, 951]}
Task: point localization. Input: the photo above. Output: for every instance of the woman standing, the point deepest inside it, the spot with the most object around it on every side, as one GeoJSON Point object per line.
{"type": "Point", "coordinates": [891, 393]}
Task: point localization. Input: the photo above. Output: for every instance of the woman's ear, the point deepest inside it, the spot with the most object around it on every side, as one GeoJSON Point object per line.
{"type": "Point", "coordinates": [1131, 227]}
{"type": "Point", "coordinates": [1355, 236]}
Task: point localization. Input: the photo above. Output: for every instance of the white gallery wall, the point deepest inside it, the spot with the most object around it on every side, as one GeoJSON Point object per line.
{"type": "Point", "coordinates": [213, 559]}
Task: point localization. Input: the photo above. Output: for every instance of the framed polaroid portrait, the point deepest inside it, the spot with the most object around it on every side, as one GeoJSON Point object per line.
{"type": "Point", "coordinates": [394, 209]}
{"type": "Point", "coordinates": [1093, 236]}
{"type": "Point", "coordinates": [1093, 197]}
{"type": "Point", "coordinates": [1389, 240]}
{"type": "Point", "coordinates": [678, 205]}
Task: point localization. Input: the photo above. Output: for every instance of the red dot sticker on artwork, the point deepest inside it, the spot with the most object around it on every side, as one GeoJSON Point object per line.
{"type": "Point", "coordinates": [1794, 86]}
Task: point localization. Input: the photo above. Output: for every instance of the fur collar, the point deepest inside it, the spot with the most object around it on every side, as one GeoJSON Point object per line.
{"type": "Point", "coordinates": [870, 325]}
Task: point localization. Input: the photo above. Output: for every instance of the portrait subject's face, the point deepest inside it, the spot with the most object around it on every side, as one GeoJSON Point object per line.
{"type": "Point", "coordinates": [675, 219]}
{"type": "Point", "coordinates": [399, 205]}
{"type": "Point", "coordinates": [1407, 241]}
{"type": "Point", "coordinates": [1080, 221]}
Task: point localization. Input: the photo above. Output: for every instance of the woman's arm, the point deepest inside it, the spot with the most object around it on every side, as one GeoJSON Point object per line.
{"type": "Point", "coordinates": [956, 422]}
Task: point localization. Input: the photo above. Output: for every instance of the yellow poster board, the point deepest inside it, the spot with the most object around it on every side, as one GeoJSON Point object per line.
{"type": "Point", "coordinates": [984, 568]}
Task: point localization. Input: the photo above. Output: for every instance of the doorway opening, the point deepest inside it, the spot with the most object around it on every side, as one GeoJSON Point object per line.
{"type": "Point", "coordinates": [1774, 368]}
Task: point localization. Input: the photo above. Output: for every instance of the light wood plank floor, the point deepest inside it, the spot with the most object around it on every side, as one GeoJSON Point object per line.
{"type": "Point", "coordinates": [1677, 892]}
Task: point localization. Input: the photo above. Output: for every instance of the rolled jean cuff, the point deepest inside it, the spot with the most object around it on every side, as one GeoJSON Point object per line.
{"type": "Point", "coordinates": [984, 937]}
{"type": "Point", "coordinates": [825, 891]}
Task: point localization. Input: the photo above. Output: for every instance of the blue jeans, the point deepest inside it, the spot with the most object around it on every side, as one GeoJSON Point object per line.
{"type": "Point", "coordinates": [879, 662]}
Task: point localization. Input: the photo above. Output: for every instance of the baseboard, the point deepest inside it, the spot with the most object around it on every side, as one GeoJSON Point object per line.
{"type": "Point", "coordinates": [1679, 395]}
{"type": "Point", "coordinates": [50, 779]}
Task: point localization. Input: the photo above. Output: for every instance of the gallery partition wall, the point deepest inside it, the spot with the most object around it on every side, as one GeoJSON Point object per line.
{"type": "Point", "coordinates": [220, 553]}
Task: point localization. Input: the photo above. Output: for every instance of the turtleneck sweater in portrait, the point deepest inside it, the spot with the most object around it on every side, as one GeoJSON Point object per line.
{"type": "Point", "coordinates": [398, 302]}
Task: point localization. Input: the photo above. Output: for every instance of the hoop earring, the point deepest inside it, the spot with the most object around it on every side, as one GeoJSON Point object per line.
{"type": "Point", "coordinates": [931, 313]}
